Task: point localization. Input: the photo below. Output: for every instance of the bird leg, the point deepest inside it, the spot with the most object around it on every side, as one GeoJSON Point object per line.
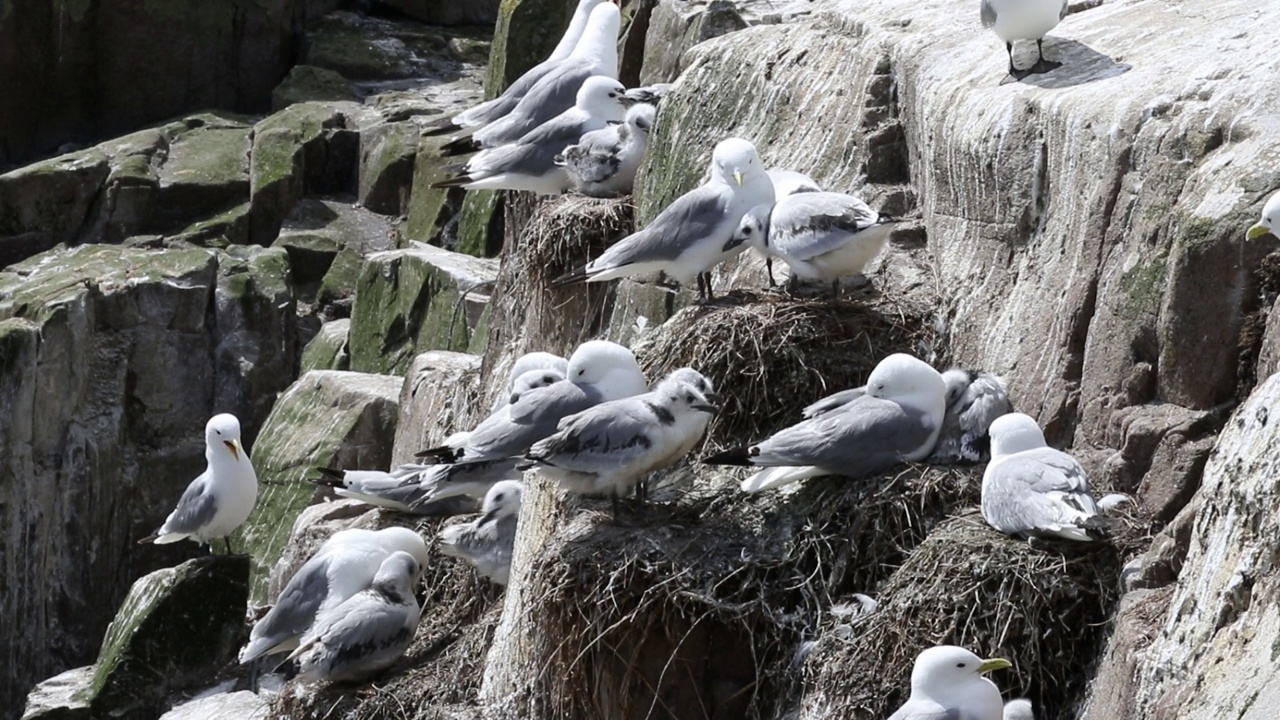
{"type": "Point", "coordinates": [768, 269]}
{"type": "Point", "coordinates": [710, 296]}
{"type": "Point", "coordinates": [613, 498]}
{"type": "Point", "coordinates": [1013, 70]}
{"type": "Point", "coordinates": [1042, 65]}
{"type": "Point", "coordinates": [227, 540]}
{"type": "Point", "coordinates": [702, 291]}
{"type": "Point", "coordinates": [253, 675]}
{"type": "Point", "coordinates": [835, 289]}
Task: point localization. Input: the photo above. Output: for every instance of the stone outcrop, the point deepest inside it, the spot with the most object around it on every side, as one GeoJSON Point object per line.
{"type": "Point", "coordinates": [438, 398]}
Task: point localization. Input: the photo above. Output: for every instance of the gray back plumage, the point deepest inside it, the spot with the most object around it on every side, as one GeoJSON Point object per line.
{"type": "Point", "coordinates": [806, 225]}
{"type": "Point", "coordinates": [533, 417]}
{"type": "Point", "coordinates": [695, 215]}
{"type": "Point", "coordinates": [866, 436]}
{"type": "Point", "coordinates": [195, 508]}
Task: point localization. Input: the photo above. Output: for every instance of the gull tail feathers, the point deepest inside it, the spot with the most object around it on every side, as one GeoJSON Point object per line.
{"type": "Point", "coordinates": [442, 454]}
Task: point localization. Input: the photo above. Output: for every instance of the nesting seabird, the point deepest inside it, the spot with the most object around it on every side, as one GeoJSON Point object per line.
{"type": "Point", "coordinates": [948, 682]}
{"type": "Point", "coordinates": [487, 542]}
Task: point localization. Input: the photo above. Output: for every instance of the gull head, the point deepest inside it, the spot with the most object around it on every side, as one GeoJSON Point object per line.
{"type": "Point", "coordinates": [400, 569]}
{"type": "Point", "coordinates": [1270, 221]}
{"type": "Point", "coordinates": [735, 162]}
{"type": "Point", "coordinates": [753, 229]}
{"type": "Point", "coordinates": [404, 540]}
{"type": "Point", "coordinates": [537, 361]}
{"type": "Point", "coordinates": [700, 382]}
{"type": "Point", "coordinates": [602, 28]}
{"type": "Point", "coordinates": [533, 380]}
{"type": "Point", "coordinates": [682, 397]}
{"type": "Point", "coordinates": [603, 97]}
{"type": "Point", "coordinates": [1014, 433]}
{"type": "Point", "coordinates": [957, 382]}
{"type": "Point", "coordinates": [640, 118]}
{"type": "Point", "coordinates": [909, 381]}
{"type": "Point", "coordinates": [947, 674]}
{"type": "Point", "coordinates": [608, 365]}
{"type": "Point", "coordinates": [502, 500]}
{"type": "Point", "coordinates": [222, 435]}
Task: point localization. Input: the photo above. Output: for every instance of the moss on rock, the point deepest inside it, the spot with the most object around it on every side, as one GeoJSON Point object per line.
{"type": "Point", "coordinates": [307, 83]}
{"type": "Point", "coordinates": [328, 349]}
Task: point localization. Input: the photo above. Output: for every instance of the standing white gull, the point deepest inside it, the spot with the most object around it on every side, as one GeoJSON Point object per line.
{"type": "Point", "coordinates": [608, 449]}
{"type": "Point", "coordinates": [530, 162]}
{"type": "Point", "coordinates": [599, 371]}
{"type": "Point", "coordinates": [687, 239]}
{"type": "Point", "coordinates": [491, 110]}
{"type": "Point", "coordinates": [790, 182]}
{"type": "Point", "coordinates": [487, 542]}
{"type": "Point", "coordinates": [1024, 20]}
{"type": "Point", "coordinates": [368, 632]}
{"type": "Point", "coordinates": [947, 683]}
{"type": "Point", "coordinates": [221, 498]}
{"type": "Point", "coordinates": [897, 419]}
{"type": "Point", "coordinates": [604, 162]}
{"type": "Point", "coordinates": [596, 53]}
{"type": "Point", "coordinates": [343, 566]}
{"type": "Point", "coordinates": [1030, 488]}
{"type": "Point", "coordinates": [1269, 222]}
{"type": "Point", "coordinates": [822, 236]}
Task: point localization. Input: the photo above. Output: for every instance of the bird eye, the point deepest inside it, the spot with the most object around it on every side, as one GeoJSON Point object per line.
{"type": "Point", "coordinates": [218, 431]}
{"type": "Point", "coordinates": [582, 372]}
{"type": "Point", "coordinates": [960, 665]}
{"type": "Point", "coordinates": [688, 398]}
{"type": "Point", "coordinates": [498, 498]}
{"type": "Point", "coordinates": [746, 231]}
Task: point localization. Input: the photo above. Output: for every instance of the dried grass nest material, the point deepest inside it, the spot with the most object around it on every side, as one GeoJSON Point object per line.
{"type": "Point", "coordinates": [770, 355]}
{"type": "Point", "coordinates": [703, 602]}
{"type": "Point", "coordinates": [1044, 605]}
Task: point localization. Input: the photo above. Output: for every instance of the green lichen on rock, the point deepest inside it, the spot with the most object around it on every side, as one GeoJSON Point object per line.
{"type": "Point", "coordinates": [1144, 286]}
{"type": "Point", "coordinates": [307, 83]}
{"type": "Point", "coordinates": [206, 172]}
{"type": "Point", "coordinates": [229, 227]}
{"type": "Point", "coordinates": [526, 33]}
{"type": "Point", "coordinates": [427, 204]}
{"type": "Point", "coordinates": [51, 197]}
{"type": "Point", "coordinates": [408, 302]}
{"type": "Point", "coordinates": [328, 349]}
{"type": "Point", "coordinates": [17, 339]}
{"type": "Point", "coordinates": [338, 286]}
{"type": "Point", "coordinates": [480, 224]}
{"type": "Point", "coordinates": [325, 419]}
{"type": "Point", "coordinates": [286, 147]}
{"type": "Point", "coordinates": [176, 626]}
{"type": "Point", "coordinates": [387, 153]}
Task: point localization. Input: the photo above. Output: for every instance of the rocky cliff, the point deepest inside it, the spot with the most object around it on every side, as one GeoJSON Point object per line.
{"type": "Point", "coordinates": [1080, 233]}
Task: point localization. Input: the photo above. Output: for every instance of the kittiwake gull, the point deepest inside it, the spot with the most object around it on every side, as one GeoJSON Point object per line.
{"type": "Point", "coordinates": [1030, 488]}
{"type": "Point", "coordinates": [221, 498]}
{"type": "Point", "coordinates": [821, 236]}
{"type": "Point", "coordinates": [530, 162]}
{"type": "Point", "coordinates": [343, 566]}
{"type": "Point", "coordinates": [947, 682]}
{"type": "Point", "coordinates": [1269, 223]}
{"type": "Point", "coordinates": [790, 182]}
{"type": "Point", "coordinates": [650, 94]}
{"type": "Point", "coordinates": [1019, 709]}
{"type": "Point", "coordinates": [604, 162]}
{"type": "Point", "coordinates": [609, 448]}
{"type": "Point", "coordinates": [368, 632]}
{"type": "Point", "coordinates": [465, 480]}
{"type": "Point", "coordinates": [487, 541]}
{"type": "Point", "coordinates": [598, 371]}
{"type": "Point", "coordinates": [687, 239]}
{"type": "Point", "coordinates": [491, 110]}
{"type": "Point", "coordinates": [1024, 20]}
{"type": "Point", "coordinates": [517, 381]}
{"type": "Point", "coordinates": [897, 419]}
{"type": "Point", "coordinates": [596, 53]}
{"type": "Point", "coordinates": [533, 380]}
{"type": "Point", "coordinates": [404, 489]}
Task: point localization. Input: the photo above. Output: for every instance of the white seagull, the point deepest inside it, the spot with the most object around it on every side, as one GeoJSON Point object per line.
{"type": "Point", "coordinates": [1269, 223]}
{"type": "Point", "coordinates": [487, 542]}
{"type": "Point", "coordinates": [947, 682]}
{"type": "Point", "coordinates": [1024, 20]}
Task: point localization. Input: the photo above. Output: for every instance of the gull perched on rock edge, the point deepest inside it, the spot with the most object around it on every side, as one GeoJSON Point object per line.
{"type": "Point", "coordinates": [1269, 223]}
{"type": "Point", "coordinates": [608, 449]}
{"type": "Point", "coordinates": [367, 632]}
{"type": "Point", "coordinates": [687, 239]}
{"type": "Point", "coordinates": [221, 498]}
{"type": "Point", "coordinates": [1024, 20]}
{"type": "Point", "coordinates": [604, 162]}
{"type": "Point", "coordinates": [947, 682]}
{"type": "Point", "coordinates": [530, 162]}
{"type": "Point", "coordinates": [821, 236]}
{"type": "Point", "coordinates": [1032, 489]}
{"type": "Point", "coordinates": [598, 371]}
{"type": "Point", "coordinates": [487, 542]}
{"type": "Point", "coordinates": [492, 110]}
{"type": "Point", "coordinates": [343, 566]}
{"type": "Point", "coordinates": [897, 419]}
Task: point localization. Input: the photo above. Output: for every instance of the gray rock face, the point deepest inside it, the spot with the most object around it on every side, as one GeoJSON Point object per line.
{"type": "Point", "coordinates": [61, 697]}
{"type": "Point", "coordinates": [439, 397]}
{"type": "Point", "coordinates": [111, 361]}
{"type": "Point", "coordinates": [241, 705]}
{"type": "Point", "coordinates": [448, 12]}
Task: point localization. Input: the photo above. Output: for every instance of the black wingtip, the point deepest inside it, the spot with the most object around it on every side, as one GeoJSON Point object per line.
{"type": "Point", "coordinates": [329, 472]}
{"type": "Point", "coordinates": [441, 126]}
{"type": "Point", "coordinates": [1099, 527]}
{"type": "Point", "coordinates": [736, 456]}
{"type": "Point", "coordinates": [148, 539]}
{"type": "Point", "coordinates": [572, 277]}
{"type": "Point", "coordinates": [458, 179]}
{"type": "Point", "coordinates": [442, 454]}
{"type": "Point", "coordinates": [459, 146]}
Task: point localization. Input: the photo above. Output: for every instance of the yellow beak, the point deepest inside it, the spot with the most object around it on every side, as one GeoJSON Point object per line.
{"type": "Point", "coordinates": [737, 175]}
{"type": "Point", "coordinates": [1256, 232]}
{"type": "Point", "coordinates": [234, 447]}
{"type": "Point", "coordinates": [994, 664]}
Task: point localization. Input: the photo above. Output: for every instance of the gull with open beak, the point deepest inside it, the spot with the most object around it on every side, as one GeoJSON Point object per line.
{"type": "Point", "coordinates": [948, 682]}
{"type": "Point", "coordinates": [221, 498]}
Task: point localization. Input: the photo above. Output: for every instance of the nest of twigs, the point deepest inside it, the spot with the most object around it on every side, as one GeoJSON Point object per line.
{"type": "Point", "coordinates": [1044, 605]}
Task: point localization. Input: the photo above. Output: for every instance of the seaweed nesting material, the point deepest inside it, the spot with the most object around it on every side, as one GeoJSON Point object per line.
{"type": "Point", "coordinates": [770, 356]}
{"type": "Point", "coordinates": [697, 610]}
{"type": "Point", "coordinates": [1043, 605]}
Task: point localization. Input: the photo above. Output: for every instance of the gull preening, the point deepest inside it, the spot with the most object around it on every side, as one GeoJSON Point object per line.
{"type": "Point", "coordinates": [529, 163]}
{"type": "Point", "coordinates": [343, 566]}
{"type": "Point", "coordinates": [821, 236]}
{"type": "Point", "coordinates": [948, 682]}
{"type": "Point", "coordinates": [604, 162]}
{"type": "Point", "coordinates": [366, 633]}
{"type": "Point", "coordinates": [687, 239]}
{"type": "Point", "coordinates": [221, 498]}
{"type": "Point", "coordinates": [608, 449]}
{"type": "Point", "coordinates": [1269, 222]}
{"type": "Point", "coordinates": [598, 371]}
{"type": "Point", "coordinates": [896, 419]}
{"type": "Point", "coordinates": [487, 542]}
{"type": "Point", "coordinates": [1024, 20]}
{"type": "Point", "coordinates": [1030, 488]}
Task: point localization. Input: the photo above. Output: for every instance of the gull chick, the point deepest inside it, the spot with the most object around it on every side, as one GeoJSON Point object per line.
{"type": "Point", "coordinates": [604, 162]}
{"type": "Point", "coordinates": [487, 542]}
{"type": "Point", "coordinates": [221, 498]}
{"type": "Point", "coordinates": [947, 682]}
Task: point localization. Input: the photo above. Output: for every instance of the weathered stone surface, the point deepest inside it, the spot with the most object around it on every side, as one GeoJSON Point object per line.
{"type": "Point", "coordinates": [430, 208]}
{"type": "Point", "coordinates": [676, 26]}
{"type": "Point", "coordinates": [206, 172]}
{"type": "Point", "coordinates": [163, 59]}
{"type": "Point", "coordinates": [479, 228]}
{"type": "Point", "coordinates": [441, 395]}
{"type": "Point", "coordinates": [328, 349]}
{"type": "Point", "coordinates": [317, 231]}
{"type": "Point", "coordinates": [307, 83]}
{"type": "Point", "coordinates": [325, 419]}
{"type": "Point", "coordinates": [290, 157]}
{"type": "Point", "coordinates": [387, 151]}
{"type": "Point", "coordinates": [241, 705]}
{"type": "Point", "coordinates": [448, 12]}
{"type": "Point", "coordinates": [176, 627]}
{"type": "Point", "coordinates": [526, 33]}
{"type": "Point", "coordinates": [61, 697]}
{"type": "Point", "coordinates": [368, 48]}
{"type": "Point", "coordinates": [1162, 451]}
{"type": "Point", "coordinates": [111, 361]}
{"type": "Point", "coordinates": [410, 301]}
{"type": "Point", "coordinates": [49, 199]}
{"type": "Point", "coordinates": [1135, 625]}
